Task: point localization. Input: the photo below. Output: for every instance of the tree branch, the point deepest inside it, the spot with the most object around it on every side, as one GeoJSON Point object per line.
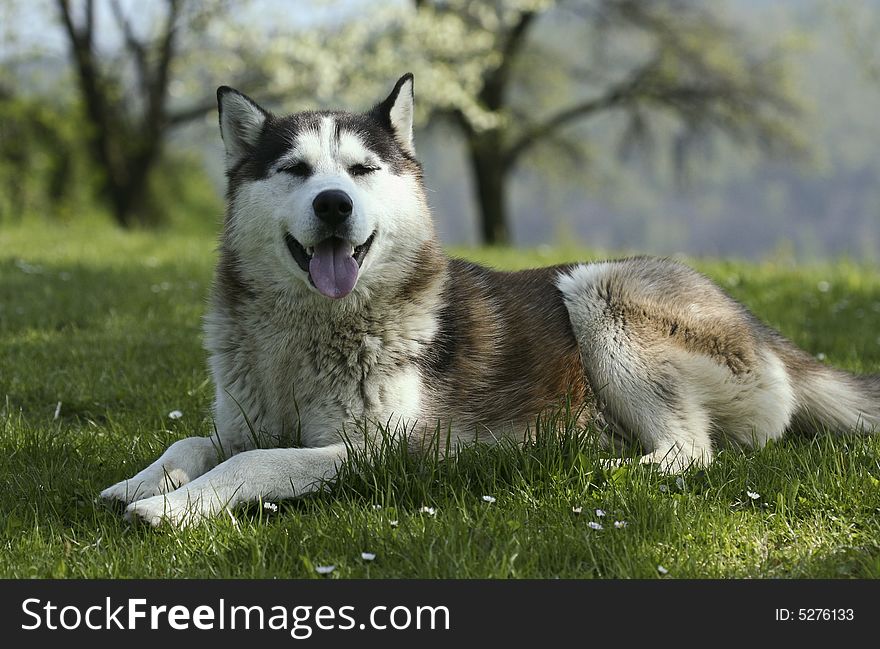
{"type": "Point", "coordinates": [517, 37]}
{"type": "Point", "coordinates": [616, 96]}
{"type": "Point", "coordinates": [67, 20]}
{"type": "Point", "coordinates": [90, 19]}
{"type": "Point", "coordinates": [97, 105]}
{"type": "Point", "coordinates": [159, 89]}
{"type": "Point", "coordinates": [185, 115]}
{"type": "Point", "coordinates": [81, 46]}
{"type": "Point", "coordinates": [136, 47]}
{"type": "Point", "coordinates": [496, 81]}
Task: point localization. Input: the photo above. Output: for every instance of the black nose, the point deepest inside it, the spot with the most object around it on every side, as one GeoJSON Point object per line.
{"type": "Point", "coordinates": [332, 206]}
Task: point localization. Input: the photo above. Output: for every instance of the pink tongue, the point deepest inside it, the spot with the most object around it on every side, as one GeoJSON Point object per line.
{"type": "Point", "coordinates": [333, 268]}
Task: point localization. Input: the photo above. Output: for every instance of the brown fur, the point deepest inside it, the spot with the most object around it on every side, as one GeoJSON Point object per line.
{"type": "Point", "coordinates": [505, 351]}
{"type": "Point", "coordinates": [655, 300]}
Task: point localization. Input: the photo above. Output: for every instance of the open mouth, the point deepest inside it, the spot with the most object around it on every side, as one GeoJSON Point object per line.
{"type": "Point", "coordinates": [333, 264]}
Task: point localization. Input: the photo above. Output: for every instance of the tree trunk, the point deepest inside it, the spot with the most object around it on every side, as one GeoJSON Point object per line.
{"type": "Point", "coordinates": [126, 190]}
{"type": "Point", "coordinates": [125, 150]}
{"type": "Point", "coordinates": [490, 180]}
{"type": "Point", "coordinates": [126, 203]}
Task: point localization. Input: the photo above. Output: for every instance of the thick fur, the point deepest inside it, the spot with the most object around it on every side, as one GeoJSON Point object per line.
{"type": "Point", "coordinates": [648, 349]}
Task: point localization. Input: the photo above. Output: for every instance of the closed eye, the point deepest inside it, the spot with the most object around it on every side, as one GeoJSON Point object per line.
{"type": "Point", "coordinates": [361, 169]}
{"type": "Point", "coordinates": [301, 169]}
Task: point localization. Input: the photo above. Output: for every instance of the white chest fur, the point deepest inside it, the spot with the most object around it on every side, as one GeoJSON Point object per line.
{"type": "Point", "coordinates": [300, 375]}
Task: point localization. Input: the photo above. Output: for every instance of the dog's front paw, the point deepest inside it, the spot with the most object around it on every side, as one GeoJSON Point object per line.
{"type": "Point", "coordinates": [163, 509]}
{"type": "Point", "coordinates": [149, 510]}
{"type": "Point", "coordinates": [152, 481]}
{"type": "Point", "coordinates": [177, 509]}
{"type": "Point", "coordinates": [128, 491]}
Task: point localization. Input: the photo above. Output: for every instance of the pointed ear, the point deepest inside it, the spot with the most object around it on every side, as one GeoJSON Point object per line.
{"type": "Point", "coordinates": [241, 120]}
{"type": "Point", "coordinates": [396, 113]}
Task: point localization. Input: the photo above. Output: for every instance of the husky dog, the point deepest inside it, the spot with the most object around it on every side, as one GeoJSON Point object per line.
{"type": "Point", "coordinates": [333, 303]}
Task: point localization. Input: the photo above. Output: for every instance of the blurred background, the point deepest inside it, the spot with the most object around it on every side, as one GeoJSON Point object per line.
{"type": "Point", "coordinates": [735, 128]}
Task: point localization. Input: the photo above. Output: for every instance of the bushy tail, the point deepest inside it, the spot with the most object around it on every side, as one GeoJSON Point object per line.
{"type": "Point", "coordinates": [835, 400]}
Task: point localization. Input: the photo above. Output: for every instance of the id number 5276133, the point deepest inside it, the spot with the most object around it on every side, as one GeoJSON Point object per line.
{"type": "Point", "coordinates": [814, 615]}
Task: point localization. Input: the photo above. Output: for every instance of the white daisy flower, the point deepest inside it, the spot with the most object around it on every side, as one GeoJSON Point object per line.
{"type": "Point", "coordinates": [272, 507]}
{"type": "Point", "coordinates": [394, 523]}
{"type": "Point", "coordinates": [175, 414]}
{"type": "Point", "coordinates": [754, 495]}
{"type": "Point", "coordinates": [324, 570]}
{"type": "Point", "coordinates": [662, 570]}
{"type": "Point", "coordinates": [368, 556]}
{"type": "Point", "coordinates": [377, 506]}
{"type": "Point", "coordinates": [489, 499]}
{"type": "Point", "coordinates": [600, 513]}
{"type": "Point", "coordinates": [594, 525]}
{"type": "Point", "coordinates": [430, 511]}
{"type": "Point", "coordinates": [577, 510]}
{"type": "Point", "coordinates": [619, 524]}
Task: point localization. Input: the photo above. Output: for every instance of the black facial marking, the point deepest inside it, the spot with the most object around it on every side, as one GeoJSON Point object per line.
{"type": "Point", "coordinates": [279, 134]}
{"type": "Point", "coordinates": [361, 169]}
{"type": "Point", "coordinates": [378, 139]}
{"type": "Point", "coordinates": [299, 169]}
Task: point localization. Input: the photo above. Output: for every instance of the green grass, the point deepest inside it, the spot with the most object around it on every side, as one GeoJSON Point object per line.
{"type": "Point", "coordinates": [108, 324]}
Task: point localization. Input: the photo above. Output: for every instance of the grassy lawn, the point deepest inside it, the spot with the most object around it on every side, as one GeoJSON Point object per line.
{"type": "Point", "coordinates": [108, 325]}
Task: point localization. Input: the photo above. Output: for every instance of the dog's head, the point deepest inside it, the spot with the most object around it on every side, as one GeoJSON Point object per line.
{"type": "Point", "coordinates": [323, 201]}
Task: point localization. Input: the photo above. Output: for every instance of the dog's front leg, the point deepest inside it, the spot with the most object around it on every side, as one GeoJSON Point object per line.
{"type": "Point", "coordinates": [181, 462]}
{"type": "Point", "coordinates": [271, 474]}
{"type": "Point", "coordinates": [189, 458]}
